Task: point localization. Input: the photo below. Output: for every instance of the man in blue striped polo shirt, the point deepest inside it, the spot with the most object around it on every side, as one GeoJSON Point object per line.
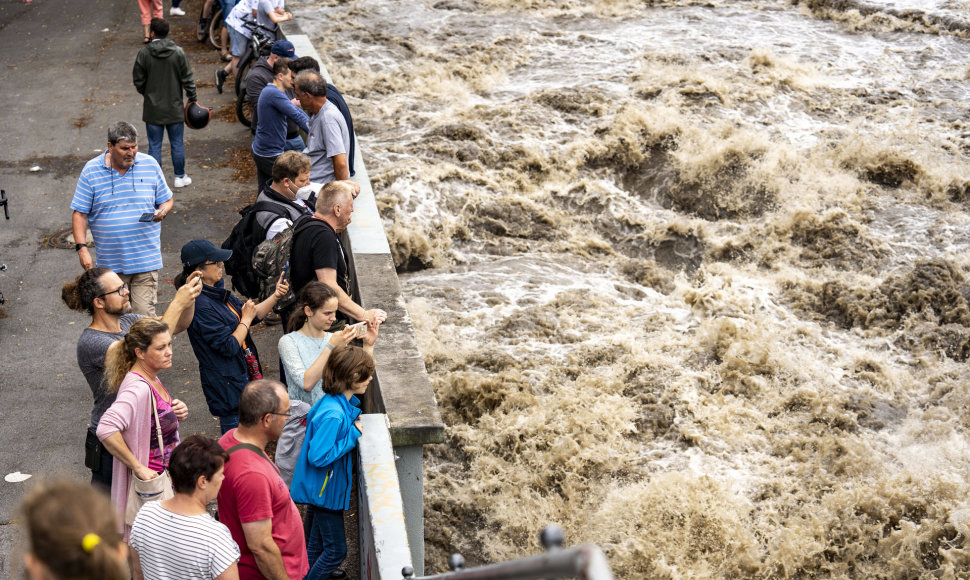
{"type": "Point", "coordinates": [122, 195]}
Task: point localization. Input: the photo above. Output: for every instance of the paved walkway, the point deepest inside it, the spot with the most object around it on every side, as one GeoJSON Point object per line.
{"type": "Point", "coordinates": [65, 76]}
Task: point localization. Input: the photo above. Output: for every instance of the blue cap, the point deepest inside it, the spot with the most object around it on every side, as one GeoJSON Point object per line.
{"type": "Point", "coordinates": [283, 48]}
{"type": "Point", "coordinates": [198, 251]}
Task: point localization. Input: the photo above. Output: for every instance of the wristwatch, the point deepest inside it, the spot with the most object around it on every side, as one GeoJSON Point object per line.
{"type": "Point", "coordinates": [77, 247]}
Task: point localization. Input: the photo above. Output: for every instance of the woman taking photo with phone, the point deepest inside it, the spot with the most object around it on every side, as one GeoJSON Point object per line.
{"type": "Point", "coordinates": [305, 350]}
{"type": "Point", "coordinates": [322, 477]}
{"type": "Point", "coordinates": [219, 332]}
{"type": "Point", "coordinates": [143, 407]}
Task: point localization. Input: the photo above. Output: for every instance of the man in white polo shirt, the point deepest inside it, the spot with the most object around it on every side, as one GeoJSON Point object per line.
{"type": "Point", "coordinates": [122, 195]}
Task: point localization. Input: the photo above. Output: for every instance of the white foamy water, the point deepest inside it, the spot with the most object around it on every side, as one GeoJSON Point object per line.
{"type": "Point", "coordinates": [690, 278]}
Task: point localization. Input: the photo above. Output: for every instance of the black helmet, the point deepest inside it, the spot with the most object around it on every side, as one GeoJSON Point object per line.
{"type": "Point", "coordinates": [197, 116]}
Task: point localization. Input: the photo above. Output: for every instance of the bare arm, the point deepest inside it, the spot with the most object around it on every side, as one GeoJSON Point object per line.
{"type": "Point", "coordinates": [315, 371]}
{"type": "Point", "coordinates": [163, 209]}
{"type": "Point", "coordinates": [345, 303]}
{"type": "Point", "coordinates": [117, 446]}
{"type": "Point", "coordinates": [269, 559]}
{"type": "Point", "coordinates": [136, 572]}
{"type": "Point", "coordinates": [276, 17]}
{"type": "Point", "coordinates": [341, 171]}
{"type": "Point", "coordinates": [79, 226]}
{"type": "Point", "coordinates": [230, 573]}
{"type": "Point", "coordinates": [178, 315]}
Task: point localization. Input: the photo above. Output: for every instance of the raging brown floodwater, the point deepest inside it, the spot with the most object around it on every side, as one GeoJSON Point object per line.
{"type": "Point", "coordinates": [690, 278]}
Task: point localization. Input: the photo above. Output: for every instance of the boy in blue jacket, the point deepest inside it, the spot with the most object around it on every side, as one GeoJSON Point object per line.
{"type": "Point", "coordinates": [322, 478]}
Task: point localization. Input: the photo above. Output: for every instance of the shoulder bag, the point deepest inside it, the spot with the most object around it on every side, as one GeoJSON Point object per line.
{"type": "Point", "coordinates": [159, 488]}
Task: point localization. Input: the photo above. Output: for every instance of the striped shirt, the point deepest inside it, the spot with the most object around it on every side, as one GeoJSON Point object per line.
{"type": "Point", "coordinates": [176, 547]}
{"type": "Point", "coordinates": [113, 204]}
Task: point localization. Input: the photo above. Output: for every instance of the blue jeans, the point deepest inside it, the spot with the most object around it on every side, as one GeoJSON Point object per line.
{"type": "Point", "coordinates": [294, 144]}
{"type": "Point", "coordinates": [327, 545]}
{"type": "Point", "coordinates": [155, 135]}
{"type": "Point", "coordinates": [228, 422]}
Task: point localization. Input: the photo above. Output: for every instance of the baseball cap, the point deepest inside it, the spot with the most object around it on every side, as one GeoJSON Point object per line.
{"type": "Point", "coordinates": [283, 48]}
{"type": "Point", "coordinates": [198, 251]}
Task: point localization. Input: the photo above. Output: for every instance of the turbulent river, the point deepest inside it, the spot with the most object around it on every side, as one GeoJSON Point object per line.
{"type": "Point", "coordinates": [690, 278]}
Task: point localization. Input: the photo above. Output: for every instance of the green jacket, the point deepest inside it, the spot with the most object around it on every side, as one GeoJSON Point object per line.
{"type": "Point", "coordinates": [161, 73]}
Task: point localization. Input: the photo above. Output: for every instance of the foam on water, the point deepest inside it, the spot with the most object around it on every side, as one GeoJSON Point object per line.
{"type": "Point", "coordinates": [690, 278]}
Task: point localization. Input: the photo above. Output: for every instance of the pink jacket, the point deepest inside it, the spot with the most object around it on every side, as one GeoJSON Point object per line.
{"type": "Point", "coordinates": [130, 414]}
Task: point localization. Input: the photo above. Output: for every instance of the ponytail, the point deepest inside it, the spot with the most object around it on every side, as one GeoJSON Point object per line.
{"type": "Point", "coordinates": [79, 294]}
{"type": "Point", "coordinates": [73, 532]}
{"type": "Point", "coordinates": [180, 278]}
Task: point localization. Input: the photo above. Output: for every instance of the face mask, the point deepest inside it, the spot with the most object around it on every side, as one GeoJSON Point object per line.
{"type": "Point", "coordinates": [305, 192]}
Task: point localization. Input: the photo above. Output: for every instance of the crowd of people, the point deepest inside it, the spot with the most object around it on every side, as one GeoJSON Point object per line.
{"type": "Point", "coordinates": [157, 522]}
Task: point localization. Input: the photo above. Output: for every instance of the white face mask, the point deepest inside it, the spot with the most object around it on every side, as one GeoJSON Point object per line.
{"type": "Point", "coordinates": [305, 192]}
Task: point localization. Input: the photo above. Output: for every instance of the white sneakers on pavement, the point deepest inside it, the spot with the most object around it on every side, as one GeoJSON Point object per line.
{"type": "Point", "coordinates": [182, 181]}
{"type": "Point", "coordinates": [176, 11]}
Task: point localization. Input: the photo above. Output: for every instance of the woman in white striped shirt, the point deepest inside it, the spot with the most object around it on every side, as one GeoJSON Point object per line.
{"type": "Point", "coordinates": [177, 539]}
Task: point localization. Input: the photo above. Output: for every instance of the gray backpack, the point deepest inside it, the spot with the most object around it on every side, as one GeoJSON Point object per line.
{"type": "Point", "coordinates": [291, 441]}
{"type": "Point", "coordinates": [271, 256]}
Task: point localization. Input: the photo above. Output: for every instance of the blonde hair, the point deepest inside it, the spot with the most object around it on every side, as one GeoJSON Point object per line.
{"type": "Point", "coordinates": [73, 531]}
{"type": "Point", "coordinates": [121, 354]}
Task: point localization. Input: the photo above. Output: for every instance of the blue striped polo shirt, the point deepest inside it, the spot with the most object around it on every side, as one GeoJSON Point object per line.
{"type": "Point", "coordinates": [113, 204]}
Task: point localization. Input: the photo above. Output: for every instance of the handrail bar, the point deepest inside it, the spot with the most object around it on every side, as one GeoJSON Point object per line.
{"type": "Point", "coordinates": [585, 561]}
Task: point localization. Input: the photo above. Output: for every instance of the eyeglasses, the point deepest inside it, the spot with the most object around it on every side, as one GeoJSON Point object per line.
{"type": "Point", "coordinates": [120, 291]}
{"type": "Point", "coordinates": [286, 414]}
{"type": "Point", "coordinates": [210, 263]}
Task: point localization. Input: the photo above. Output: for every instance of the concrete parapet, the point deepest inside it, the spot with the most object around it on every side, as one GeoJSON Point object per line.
{"type": "Point", "coordinates": [384, 546]}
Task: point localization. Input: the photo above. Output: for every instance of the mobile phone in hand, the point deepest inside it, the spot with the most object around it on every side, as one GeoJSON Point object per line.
{"type": "Point", "coordinates": [147, 216]}
{"type": "Point", "coordinates": [361, 328]}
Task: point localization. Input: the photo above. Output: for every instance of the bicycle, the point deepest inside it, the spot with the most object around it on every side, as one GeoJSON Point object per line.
{"type": "Point", "coordinates": [259, 46]}
{"type": "Point", "coordinates": [210, 28]}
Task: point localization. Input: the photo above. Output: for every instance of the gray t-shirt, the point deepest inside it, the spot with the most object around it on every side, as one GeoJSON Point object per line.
{"type": "Point", "coordinates": [328, 137]}
{"type": "Point", "coordinates": [91, 348]}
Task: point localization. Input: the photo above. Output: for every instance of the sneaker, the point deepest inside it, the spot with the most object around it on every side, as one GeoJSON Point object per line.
{"type": "Point", "coordinates": [338, 574]}
{"type": "Point", "coordinates": [183, 181]}
{"type": "Point", "coordinates": [221, 75]}
{"type": "Point", "coordinates": [176, 11]}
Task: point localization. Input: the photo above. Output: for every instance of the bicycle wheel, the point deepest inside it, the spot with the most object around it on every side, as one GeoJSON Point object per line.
{"type": "Point", "coordinates": [215, 29]}
{"type": "Point", "coordinates": [246, 63]}
{"type": "Point", "coordinates": [244, 109]}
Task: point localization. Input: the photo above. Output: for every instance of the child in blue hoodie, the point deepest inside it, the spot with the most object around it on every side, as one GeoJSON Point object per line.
{"type": "Point", "coordinates": [322, 477]}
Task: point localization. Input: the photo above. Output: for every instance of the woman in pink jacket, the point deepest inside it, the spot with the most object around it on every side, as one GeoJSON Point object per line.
{"type": "Point", "coordinates": [127, 429]}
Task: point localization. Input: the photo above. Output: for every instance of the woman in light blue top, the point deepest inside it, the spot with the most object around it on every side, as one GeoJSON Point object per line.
{"type": "Point", "coordinates": [305, 350]}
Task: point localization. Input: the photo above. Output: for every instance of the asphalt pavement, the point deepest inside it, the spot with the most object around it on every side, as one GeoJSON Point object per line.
{"type": "Point", "coordinates": [65, 76]}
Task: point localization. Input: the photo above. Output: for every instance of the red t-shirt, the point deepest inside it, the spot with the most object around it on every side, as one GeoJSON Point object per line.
{"type": "Point", "coordinates": [253, 491]}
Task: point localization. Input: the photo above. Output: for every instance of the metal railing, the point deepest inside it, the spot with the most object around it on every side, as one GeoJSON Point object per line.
{"type": "Point", "coordinates": [585, 561]}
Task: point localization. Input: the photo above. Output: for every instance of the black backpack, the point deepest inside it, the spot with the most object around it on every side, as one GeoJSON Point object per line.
{"type": "Point", "coordinates": [242, 240]}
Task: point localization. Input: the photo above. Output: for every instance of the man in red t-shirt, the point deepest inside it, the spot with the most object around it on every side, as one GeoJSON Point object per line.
{"type": "Point", "coordinates": [254, 502]}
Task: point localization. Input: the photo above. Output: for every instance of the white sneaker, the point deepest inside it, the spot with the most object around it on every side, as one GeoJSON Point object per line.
{"type": "Point", "coordinates": [176, 11]}
{"type": "Point", "coordinates": [182, 181]}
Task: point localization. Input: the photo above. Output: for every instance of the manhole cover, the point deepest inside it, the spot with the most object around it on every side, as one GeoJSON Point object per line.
{"type": "Point", "coordinates": [63, 239]}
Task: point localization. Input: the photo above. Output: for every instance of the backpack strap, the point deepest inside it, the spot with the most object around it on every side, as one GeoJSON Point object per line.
{"type": "Point", "coordinates": [254, 449]}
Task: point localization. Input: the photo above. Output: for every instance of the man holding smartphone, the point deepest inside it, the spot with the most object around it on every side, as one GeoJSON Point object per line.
{"type": "Point", "coordinates": [114, 192]}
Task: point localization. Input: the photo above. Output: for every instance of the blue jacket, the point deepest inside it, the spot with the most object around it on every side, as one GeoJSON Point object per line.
{"type": "Point", "coordinates": [323, 471]}
{"type": "Point", "coordinates": [222, 362]}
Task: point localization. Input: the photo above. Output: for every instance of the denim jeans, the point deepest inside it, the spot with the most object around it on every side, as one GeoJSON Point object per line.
{"type": "Point", "coordinates": [327, 545]}
{"type": "Point", "coordinates": [175, 131]}
{"type": "Point", "coordinates": [228, 422]}
{"type": "Point", "coordinates": [294, 144]}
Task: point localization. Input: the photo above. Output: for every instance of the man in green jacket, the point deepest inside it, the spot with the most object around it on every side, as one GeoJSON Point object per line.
{"type": "Point", "coordinates": [161, 73]}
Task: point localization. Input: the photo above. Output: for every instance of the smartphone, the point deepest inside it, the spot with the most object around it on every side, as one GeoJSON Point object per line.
{"type": "Point", "coordinates": [147, 216]}
{"type": "Point", "coordinates": [361, 328]}
{"type": "Point", "coordinates": [286, 270]}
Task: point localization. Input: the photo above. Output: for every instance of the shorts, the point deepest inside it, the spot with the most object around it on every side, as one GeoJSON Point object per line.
{"type": "Point", "coordinates": [227, 6]}
{"type": "Point", "coordinates": [238, 41]}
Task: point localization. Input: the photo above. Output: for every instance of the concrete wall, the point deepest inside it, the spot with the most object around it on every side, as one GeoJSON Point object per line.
{"type": "Point", "coordinates": [401, 392]}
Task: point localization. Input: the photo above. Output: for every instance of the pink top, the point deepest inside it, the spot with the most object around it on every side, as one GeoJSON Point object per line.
{"type": "Point", "coordinates": [131, 415]}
